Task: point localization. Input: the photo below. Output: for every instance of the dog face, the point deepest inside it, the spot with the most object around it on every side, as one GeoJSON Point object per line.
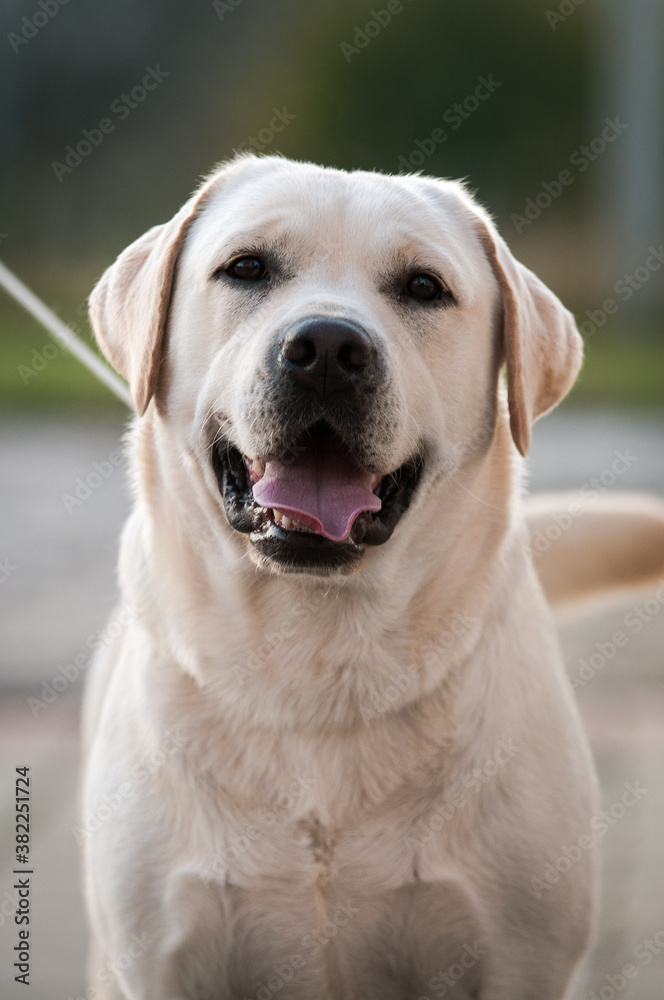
{"type": "Point", "coordinates": [335, 343]}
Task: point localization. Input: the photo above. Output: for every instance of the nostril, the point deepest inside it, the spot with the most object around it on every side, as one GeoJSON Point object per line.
{"type": "Point", "coordinates": [299, 351]}
{"type": "Point", "coordinates": [326, 355]}
{"type": "Point", "coordinates": [352, 356]}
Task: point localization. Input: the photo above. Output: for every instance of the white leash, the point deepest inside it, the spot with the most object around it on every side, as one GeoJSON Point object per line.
{"type": "Point", "coordinates": [61, 332]}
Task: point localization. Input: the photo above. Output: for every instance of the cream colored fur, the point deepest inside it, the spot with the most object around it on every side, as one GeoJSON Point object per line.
{"type": "Point", "coordinates": [367, 775]}
{"type": "Point", "coordinates": [597, 546]}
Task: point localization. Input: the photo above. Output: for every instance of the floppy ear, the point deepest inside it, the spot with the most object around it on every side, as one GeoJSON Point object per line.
{"type": "Point", "coordinates": [129, 305]}
{"type": "Point", "coordinates": [543, 348]}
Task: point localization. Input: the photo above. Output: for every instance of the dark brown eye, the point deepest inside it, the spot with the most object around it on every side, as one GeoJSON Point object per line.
{"type": "Point", "coordinates": [424, 288]}
{"type": "Point", "coordinates": [248, 268]}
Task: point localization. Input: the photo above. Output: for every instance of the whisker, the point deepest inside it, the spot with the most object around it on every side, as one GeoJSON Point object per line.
{"type": "Point", "coordinates": [486, 503]}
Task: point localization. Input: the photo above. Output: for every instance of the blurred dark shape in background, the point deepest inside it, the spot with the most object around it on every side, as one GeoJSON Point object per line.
{"type": "Point", "coordinates": [552, 111]}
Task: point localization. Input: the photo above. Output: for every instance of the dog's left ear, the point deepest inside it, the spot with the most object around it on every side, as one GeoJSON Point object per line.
{"type": "Point", "coordinates": [543, 348]}
{"type": "Point", "coordinates": [129, 305]}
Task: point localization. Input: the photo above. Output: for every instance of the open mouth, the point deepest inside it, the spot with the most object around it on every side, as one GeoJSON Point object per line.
{"type": "Point", "coordinates": [312, 508]}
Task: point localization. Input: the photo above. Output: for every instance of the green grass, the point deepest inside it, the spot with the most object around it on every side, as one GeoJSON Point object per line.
{"type": "Point", "coordinates": [622, 368]}
{"type": "Point", "coordinates": [37, 374]}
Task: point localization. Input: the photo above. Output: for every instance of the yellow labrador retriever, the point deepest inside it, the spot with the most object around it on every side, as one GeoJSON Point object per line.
{"type": "Point", "coordinates": [335, 753]}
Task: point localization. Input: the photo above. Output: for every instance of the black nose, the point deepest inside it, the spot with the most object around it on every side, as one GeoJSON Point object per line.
{"type": "Point", "coordinates": [327, 355]}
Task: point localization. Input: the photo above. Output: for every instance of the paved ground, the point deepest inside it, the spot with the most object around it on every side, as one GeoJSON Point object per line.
{"type": "Point", "coordinates": [57, 586]}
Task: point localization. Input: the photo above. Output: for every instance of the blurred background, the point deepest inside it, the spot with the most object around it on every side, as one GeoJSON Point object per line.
{"type": "Point", "coordinates": [109, 115]}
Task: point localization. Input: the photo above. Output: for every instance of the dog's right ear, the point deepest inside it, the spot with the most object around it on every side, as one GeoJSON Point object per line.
{"type": "Point", "coordinates": [129, 305]}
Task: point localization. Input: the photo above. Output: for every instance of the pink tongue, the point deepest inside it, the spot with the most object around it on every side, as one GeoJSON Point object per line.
{"type": "Point", "coordinates": [320, 488]}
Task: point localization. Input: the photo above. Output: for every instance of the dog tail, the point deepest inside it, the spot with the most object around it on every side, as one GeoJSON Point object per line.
{"type": "Point", "coordinates": [586, 548]}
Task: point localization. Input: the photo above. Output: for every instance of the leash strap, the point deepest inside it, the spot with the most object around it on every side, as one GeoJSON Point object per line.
{"type": "Point", "coordinates": [64, 336]}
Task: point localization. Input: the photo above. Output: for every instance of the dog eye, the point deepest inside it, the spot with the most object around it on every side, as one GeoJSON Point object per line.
{"type": "Point", "coordinates": [248, 268]}
{"type": "Point", "coordinates": [424, 288]}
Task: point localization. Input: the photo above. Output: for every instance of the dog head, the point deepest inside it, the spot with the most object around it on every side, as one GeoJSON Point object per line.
{"type": "Point", "coordinates": [335, 341]}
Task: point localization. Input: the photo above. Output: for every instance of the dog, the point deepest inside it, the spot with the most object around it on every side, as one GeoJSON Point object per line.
{"type": "Point", "coordinates": [335, 749]}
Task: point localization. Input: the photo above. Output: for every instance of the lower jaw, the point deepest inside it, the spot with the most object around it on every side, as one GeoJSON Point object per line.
{"type": "Point", "coordinates": [294, 551]}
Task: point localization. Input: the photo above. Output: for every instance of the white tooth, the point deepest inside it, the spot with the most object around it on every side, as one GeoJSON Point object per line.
{"type": "Point", "coordinates": [375, 480]}
{"type": "Point", "coordinates": [258, 467]}
{"type": "Point", "coordinates": [277, 515]}
{"type": "Point", "coordinates": [286, 522]}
